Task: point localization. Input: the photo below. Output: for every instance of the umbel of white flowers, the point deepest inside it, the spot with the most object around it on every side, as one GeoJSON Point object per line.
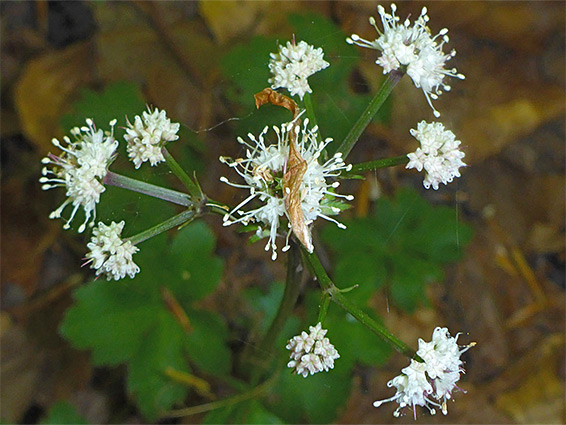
{"type": "Point", "coordinates": [80, 169]}
{"type": "Point", "coordinates": [293, 64]}
{"type": "Point", "coordinates": [412, 49]}
{"type": "Point", "coordinates": [109, 254]}
{"type": "Point", "coordinates": [439, 154]}
{"type": "Point", "coordinates": [263, 169]}
{"type": "Point", "coordinates": [311, 353]}
{"type": "Point", "coordinates": [147, 135]}
{"type": "Point", "coordinates": [429, 384]}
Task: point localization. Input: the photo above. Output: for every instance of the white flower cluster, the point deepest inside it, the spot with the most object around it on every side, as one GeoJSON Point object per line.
{"type": "Point", "coordinates": [293, 64]}
{"type": "Point", "coordinates": [312, 352]}
{"type": "Point", "coordinates": [429, 384]}
{"type": "Point", "coordinates": [263, 170]}
{"type": "Point", "coordinates": [80, 169]}
{"type": "Point", "coordinates": [439, 154]}
{"type": "Point", "coordinates": [414, 50]}
{"type": "Point", "coordinates": [147, 136]}
{"type": "Point", "coordinates": [109, 254]}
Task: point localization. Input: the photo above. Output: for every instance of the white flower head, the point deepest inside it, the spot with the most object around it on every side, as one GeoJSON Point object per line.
{"type": "Point", "coordinates": [429, 384]}
{"type": "Point", "coordinates": [293, 64]}
{"type": "Point", "coordinates": [109, 254]}
{"type": "Point", "coordinates": [312, 352]}
{"type": "Point", "coordinates": [80, 169]}
{"type": "Point", "coordinates": [263, 169]}
{"type": "Point", "coordinates": [147, 135]}
{"type": "Point", "coordinates": [412, 49]}
{"type": "Point", "coordinates": [439, 154]}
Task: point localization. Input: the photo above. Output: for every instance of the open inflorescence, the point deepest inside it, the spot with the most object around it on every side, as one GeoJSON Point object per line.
{"type": "Point", "coordinates": [263, 169]}
{"type": "Point", "coordinates": [80, 169]}
{"type": "Point", "coordinates": [414, 50]}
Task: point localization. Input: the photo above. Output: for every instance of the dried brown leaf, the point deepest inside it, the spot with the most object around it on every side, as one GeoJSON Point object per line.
{"type": "Point", "coordinates": [268, 95]}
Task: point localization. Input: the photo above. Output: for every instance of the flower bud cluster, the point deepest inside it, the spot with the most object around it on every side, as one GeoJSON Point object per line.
{"type": "Point", "coordinates": [293, 64]}
{"type": "Point", "coordinates": [109, 254]}
{"type": "Point", "coordinates": [312, 352]}
{"type": "Point", "coordinates": [439, 154]}
{"type": "Point", "coordinates": [147, 135]}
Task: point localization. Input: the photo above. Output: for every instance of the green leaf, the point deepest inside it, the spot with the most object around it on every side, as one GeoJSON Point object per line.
{"type": "Point", "coordinates": [265, 304]}
{"type": "Point", "coordinates": [162, 348]}
{"type": "Point", "coordinates": [206, 344]}
{"type": "Point", "coordinates": [316, 399]}
{"type": "Point", "coordinates": [109, 318]}
{"type": "Point", "coordinates": [63, 412]}
{"type": "Point", "coordinates": [247, 412]}
{"type": "Point", "coordinates": [404, 244]}
{"type": "Point", "coordinates": [197, 269]}
{"type": "Point", "coordinates": [246, 67]}
{"type": "Point", "coordinates": [116, 101]}
{"type": "Point", "coordinates": [364, 269]}
{"type": "Point", "coordinates": [130, 322]}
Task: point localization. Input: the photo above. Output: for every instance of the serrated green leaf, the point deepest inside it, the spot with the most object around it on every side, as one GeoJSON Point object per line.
{"type": "Point", "coordinates": [196, 271]}
{"type": "Point", "coordinates": [63, 412]}
{"type": "Point", "coordinates": [364, 269]}
{"type": "Point", "coordinates": [247, 412]}
{"type": "Point", "coordinates": [355, 343]}
{"type": "Point", "coordinates": [130, 322]}
{"type": "Point", "coordinates": [162, 348]}
{"type": "Point", "coordinates": [109, 318]}
{"type": "Point", "coordinates": [316, 399]}
{"type": "Point", "coordinates": [206, 343]}
{"type": "Point", "coordinates": [266, 304]}
{"type": "Point", "coordinates": [245, 65]}
{"type": "Point", "coordinates": [116, 101]}
{"type": "Point", "coordinates": [403, 243]}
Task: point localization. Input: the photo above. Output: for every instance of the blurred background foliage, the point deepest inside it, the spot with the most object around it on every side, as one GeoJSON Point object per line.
{"type": "Point", "coordinates": [77, 351]}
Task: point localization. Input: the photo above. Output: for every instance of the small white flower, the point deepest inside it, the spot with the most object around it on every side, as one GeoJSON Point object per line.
{"type": "Point", "coordinates": [429, 384]}
{"type": "Point", "coordinates": [413, 50]}
{"type": "Point", "coordinates": [109, 254]}
{"type": "Point", "coordinates": [263, 170]}
{"type": "Point", "coordinates": [293, 64]}
{"type": "Point", "coordinates": [312, 352]}
{"type": "Point", "coordinates": [439, 154]}
{"type": "Point", "coordinates": [147, 136]}
{"type": "Point", "coordinates": [81, 169]}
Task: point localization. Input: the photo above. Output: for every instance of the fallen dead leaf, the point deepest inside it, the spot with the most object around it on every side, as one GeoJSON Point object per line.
{"type": "Point", "coordinates": [539, 397]}
{"type": "Point", "coordinates": [230, 20]}
{"type": "Point", "coordinates": [47, 84]}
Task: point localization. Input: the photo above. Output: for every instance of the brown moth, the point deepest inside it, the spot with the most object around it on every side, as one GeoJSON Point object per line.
{"type": "Point", "coordinates": [296, 168]}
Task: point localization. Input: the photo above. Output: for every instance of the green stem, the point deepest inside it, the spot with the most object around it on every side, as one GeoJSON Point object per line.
{"type": "Point", "coordinates": [159, 192]}
{"type": "Point", "coordinates": [336, 295]}
{"type": "Point", "coordinates": [230, 401]}
{"type": "Point", "coordinates": [324, 304]}
{"type": "Point", "coordinates": [182, 218]}
{"type": "Point", "coordinates": [374, 165]}
{"type": "Point", "coordinates": [382, 94]}
{"type": "Point", "coordinates": [174, 166]}
{"type": "Point", "coordinates": [290, 295]}
{"type": "Point", "coordinates": [310, 113]}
